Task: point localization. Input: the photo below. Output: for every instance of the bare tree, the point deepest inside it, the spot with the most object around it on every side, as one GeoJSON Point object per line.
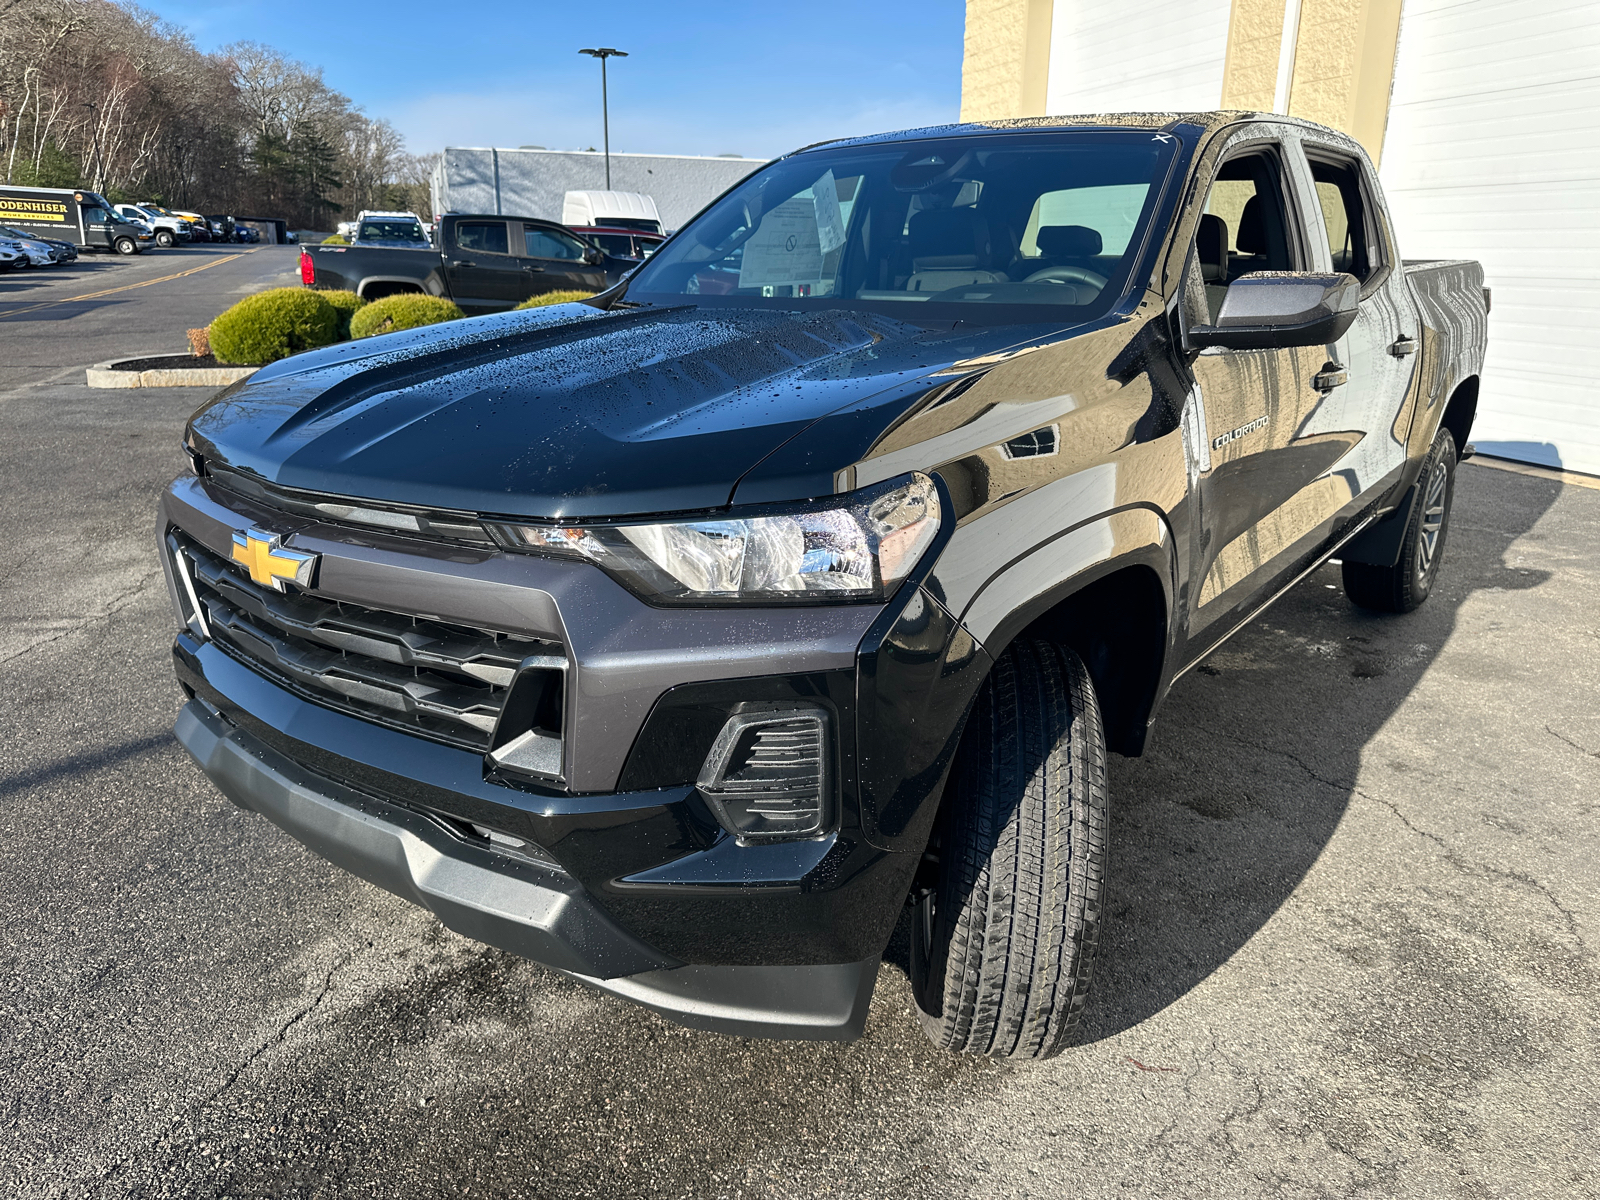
{"type": "Point", "coordinates": [104, 94]}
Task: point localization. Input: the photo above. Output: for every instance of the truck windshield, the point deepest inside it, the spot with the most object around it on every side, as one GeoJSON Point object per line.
{"type": "Point", "coordinates": [392, 231]}
{"type": "Point", "coordinates": [999, 228]}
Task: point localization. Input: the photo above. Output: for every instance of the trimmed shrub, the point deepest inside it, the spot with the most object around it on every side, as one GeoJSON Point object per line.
{"type": "Point", "coordinates": [345, 305]}
{"type": "Point", "coordinates": [554, 298]}
{"type": "Point", "coordinates": [333, 239]}
{"type": "Point", "coordinates": [272, 325]}
{"type": "Point", "coordinates": [407, 310]}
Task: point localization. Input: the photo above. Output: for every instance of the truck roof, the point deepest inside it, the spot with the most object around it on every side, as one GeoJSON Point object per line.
{"type": "Point", "coordinates": [1208, 121]}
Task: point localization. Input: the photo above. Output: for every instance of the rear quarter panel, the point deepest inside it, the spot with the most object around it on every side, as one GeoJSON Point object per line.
{"type": "Point", "coordinates": [1454, 336]}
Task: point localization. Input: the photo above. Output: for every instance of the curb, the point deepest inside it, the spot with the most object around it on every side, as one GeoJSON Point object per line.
{"type": "Point", "coordinates": [106, 375]}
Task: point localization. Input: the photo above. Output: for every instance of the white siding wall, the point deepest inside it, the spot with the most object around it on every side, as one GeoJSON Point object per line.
{"type": "Point", "coordinates": [1493, 152]}
{"type": "Point", "coordinates": [1137, 55]}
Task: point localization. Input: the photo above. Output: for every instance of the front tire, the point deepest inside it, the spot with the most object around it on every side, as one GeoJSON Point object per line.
{"type": "Point", "coordinates": [126, 246]}
{"type": "Point", "coordinates": [1003, 948]}
{"type": "Point", "coordinates": [1403, 587]}
{"type": "Point", "coordinates": [164, 239]}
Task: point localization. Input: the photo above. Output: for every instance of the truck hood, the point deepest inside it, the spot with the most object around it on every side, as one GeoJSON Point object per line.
{"type": "Point", "coordinates": [571, 411]}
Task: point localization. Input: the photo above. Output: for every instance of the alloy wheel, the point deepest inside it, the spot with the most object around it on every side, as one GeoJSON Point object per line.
{"type": "Point", "coordinates": [1432, 519]}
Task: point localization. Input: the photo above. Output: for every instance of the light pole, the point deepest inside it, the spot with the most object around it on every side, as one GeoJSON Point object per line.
{"type": "Point", "coordinates": [602, 54]}
{"type": "Point", "coordinates": [94, 135]}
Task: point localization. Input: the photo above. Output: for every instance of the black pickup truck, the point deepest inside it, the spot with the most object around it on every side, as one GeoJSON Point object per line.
{"type": "Point", "coordinates": [681, 639]}
{"type": "Point", "coordinates": [485, 264]}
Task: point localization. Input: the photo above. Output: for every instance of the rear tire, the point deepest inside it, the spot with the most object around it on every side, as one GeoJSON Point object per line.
{"type": "Point", "coordinates": [1003, 948]}
{"type": "Point", "coordinates": [1403, 587]}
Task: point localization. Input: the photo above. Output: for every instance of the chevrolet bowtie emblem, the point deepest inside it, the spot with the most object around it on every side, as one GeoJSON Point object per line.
{"type": "Point", "coordinates": [269, 563]}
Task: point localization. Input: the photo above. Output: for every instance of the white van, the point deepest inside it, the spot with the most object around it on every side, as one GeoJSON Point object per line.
{"type": "Point", "coordinates": [610, 210]}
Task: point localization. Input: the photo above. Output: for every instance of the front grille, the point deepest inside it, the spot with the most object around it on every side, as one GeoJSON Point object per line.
{"type": "Point", "coordinates": [441, 681]}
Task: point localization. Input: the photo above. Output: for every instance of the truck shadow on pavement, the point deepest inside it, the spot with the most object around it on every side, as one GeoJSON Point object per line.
{"type": "Point", "coordinates": [1256, 755]}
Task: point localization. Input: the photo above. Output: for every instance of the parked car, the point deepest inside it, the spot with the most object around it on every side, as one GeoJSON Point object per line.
{"type": "Point", "coordinates": [11, 259]}
{"type": "Point", "coordinates": [680, 640]}
{"type": "Point", "coordinates": [222, 227]}
{"type": "Point", "coordinates": [198, 225]}
{"type": "Point", "coordinates": [86, 219]}
{"type": "Point", "coordinates": [484, 264]}
{"type": "Point", "coordinates": [64, 251]}
{"type": "Point", "coordinates": [34, 252]}
{"type": "Point", "coordinates": [620, 243]}
{"type": "Point", "coordinates": [163, 213]}
{"type": "Point", "coordinates": [167, 230]}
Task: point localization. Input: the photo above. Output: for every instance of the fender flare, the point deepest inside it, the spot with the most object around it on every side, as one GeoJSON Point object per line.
{"type": "Point", "coordinates": [1029, 586]}
{"type": "Point", "coordinates": [915, 694]}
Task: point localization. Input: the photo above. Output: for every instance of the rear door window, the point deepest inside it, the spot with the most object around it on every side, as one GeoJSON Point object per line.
{"type": "Point", "coordinates": [1344, 216]}
{"type": "Point", "coordinates": [482, 237]}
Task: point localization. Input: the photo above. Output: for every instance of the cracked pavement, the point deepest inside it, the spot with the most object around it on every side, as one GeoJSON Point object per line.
{"type": "Point", "coordinates": [1349, 950]}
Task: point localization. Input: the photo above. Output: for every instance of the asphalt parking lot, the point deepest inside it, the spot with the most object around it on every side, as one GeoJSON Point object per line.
{"type": "Point", "coordinates": [1355, 897]}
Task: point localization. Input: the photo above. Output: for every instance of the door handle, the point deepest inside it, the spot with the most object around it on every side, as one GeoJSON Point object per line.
{"type": "Point", "coordinates": [1403, 346]}
{"type": "Point", "coordinates": [1331, 376]}
{"type": "Point", "coordinates": [532, 268]}
{"type": "Point", "coordinates": [463, 264]}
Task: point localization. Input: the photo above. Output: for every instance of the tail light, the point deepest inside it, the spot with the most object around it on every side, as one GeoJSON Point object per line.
{"type": "Point", "coordinates": [308, 271]}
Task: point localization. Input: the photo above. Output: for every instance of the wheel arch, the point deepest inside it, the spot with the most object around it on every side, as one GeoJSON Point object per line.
{"type": "Point", "coordinates": [922, 667]}
{"type": "Point", "coordinates": [1461, 411]}
{"type": "Point", "coordinates": [376, 287]}
{"type": "Point", "coordinates": [1113, 610]}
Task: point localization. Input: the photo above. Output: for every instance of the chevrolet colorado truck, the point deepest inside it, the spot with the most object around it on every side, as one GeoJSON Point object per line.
{"type": "Point", "coordinates": [682, 639]}
{"type": "Point", "coordinates": [485, 264]}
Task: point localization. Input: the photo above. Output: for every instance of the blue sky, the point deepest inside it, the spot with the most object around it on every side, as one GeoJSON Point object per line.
{"type": "Point", "coordinates": [708, 78]}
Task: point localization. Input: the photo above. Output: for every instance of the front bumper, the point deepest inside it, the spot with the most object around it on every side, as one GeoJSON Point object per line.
{"type": "Point", "coordinates": [531, 909]}
{"type": "Point", "coordinates": [639, 890]}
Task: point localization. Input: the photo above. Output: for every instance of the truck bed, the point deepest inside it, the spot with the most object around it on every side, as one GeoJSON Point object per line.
{"type": "Point", "coordinates": [1454, 307]}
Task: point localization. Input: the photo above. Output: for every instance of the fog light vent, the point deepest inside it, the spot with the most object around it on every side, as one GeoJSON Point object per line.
{"type": "Point", "coordinates": [768, 775]}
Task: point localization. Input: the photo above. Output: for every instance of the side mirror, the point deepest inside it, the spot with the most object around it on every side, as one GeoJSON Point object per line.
{"type": "Point", "coordinates": [594, 256]}
{"type": "Point", "coordinates": [1272, 310]}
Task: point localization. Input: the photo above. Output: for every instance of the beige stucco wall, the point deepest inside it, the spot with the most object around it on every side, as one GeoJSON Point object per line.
{"type": "Point", "coordinates": [1255, 34]}
{"type": "Point", "coordinates": [1340, 72]}
{"type": "Point", "coordinates": [1344, 64]}
{"type": "Point", "coordinates": [1006, 61]}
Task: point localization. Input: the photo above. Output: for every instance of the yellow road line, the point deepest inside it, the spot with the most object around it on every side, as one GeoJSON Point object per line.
{"type": "Point", "coordinates": [1572, 478]}
{"type": "Point", "coordinates": [127, 287]}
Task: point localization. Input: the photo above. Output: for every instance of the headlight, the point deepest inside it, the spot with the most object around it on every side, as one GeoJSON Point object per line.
{"type": "Point", "coordinates": [853, 548]}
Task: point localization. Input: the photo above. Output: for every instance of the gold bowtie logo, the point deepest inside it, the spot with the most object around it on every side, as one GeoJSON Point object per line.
{"type": "Point", "coordinates": [269, 563]}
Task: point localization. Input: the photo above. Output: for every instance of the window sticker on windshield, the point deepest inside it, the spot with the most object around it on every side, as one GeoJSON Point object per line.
{"type": "Point", "coordinates": [785, 248]}
{"type": "Point", "coordinates": [830, 222]}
